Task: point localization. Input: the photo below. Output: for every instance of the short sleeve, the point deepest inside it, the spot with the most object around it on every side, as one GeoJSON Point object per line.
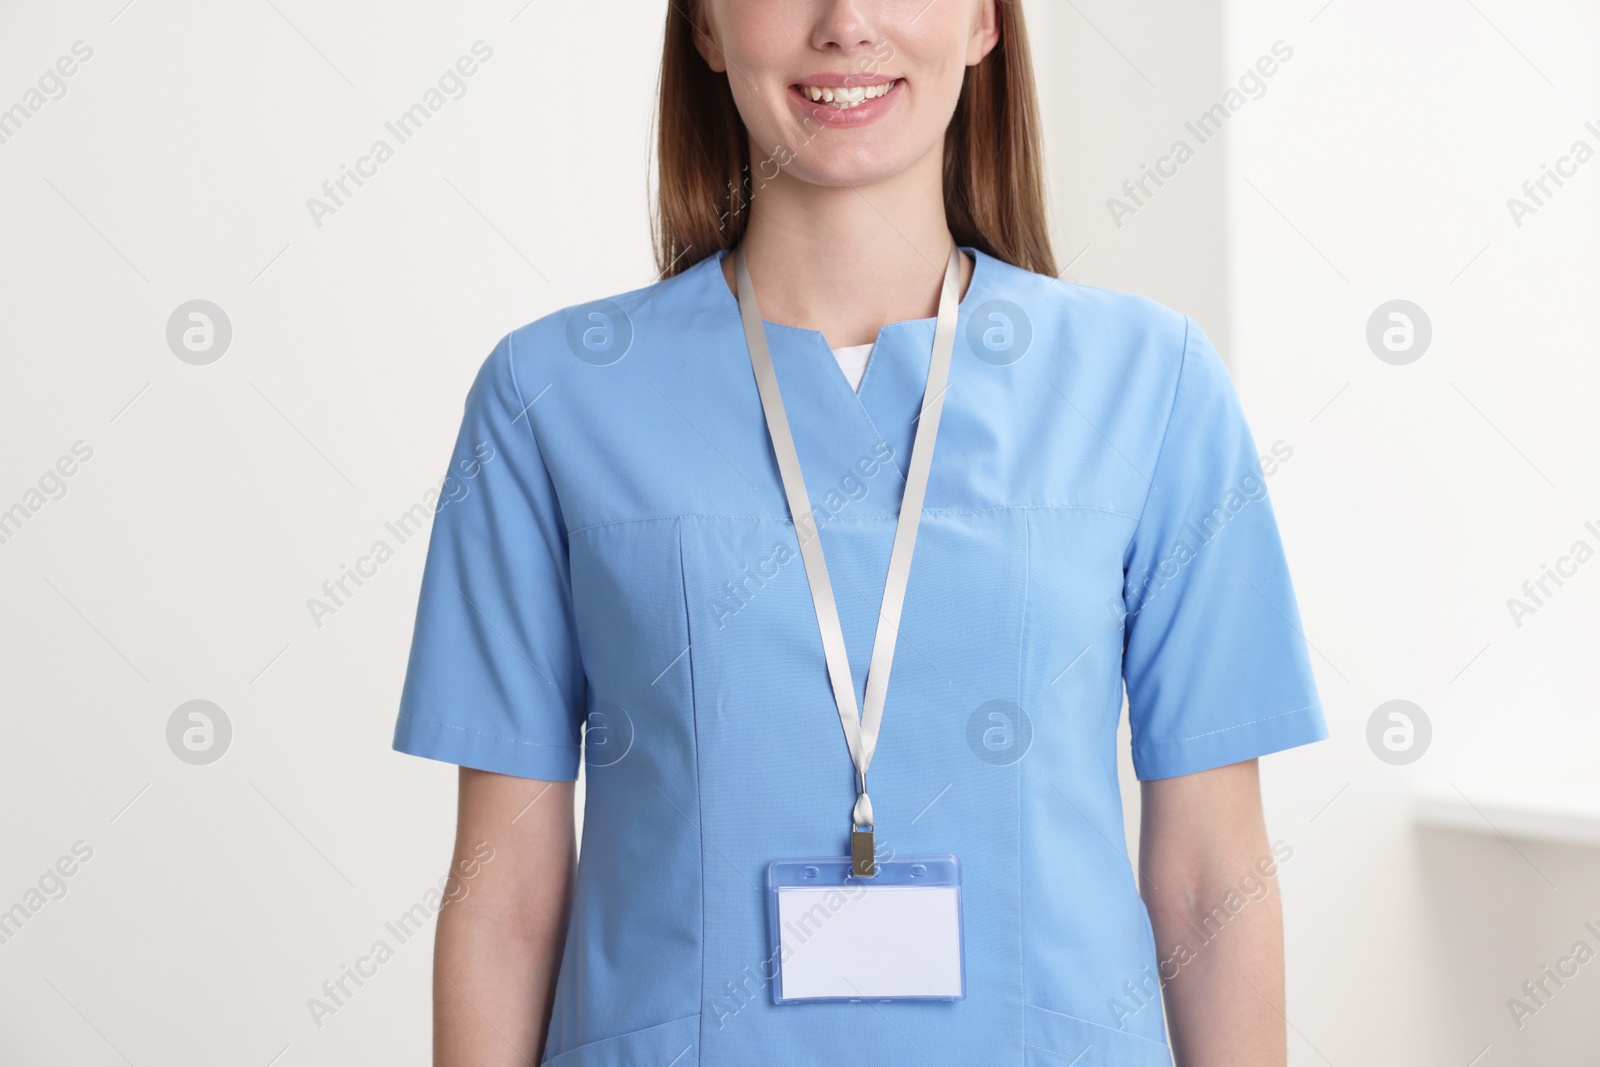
{"type": "Point", "coordinates": [494, 679]}
{"type": "Point", "coordinates": [1215, 662]}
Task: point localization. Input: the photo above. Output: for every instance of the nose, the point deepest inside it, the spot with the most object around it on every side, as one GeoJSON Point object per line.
{"type": "Point", "coordinates": [846, 25]}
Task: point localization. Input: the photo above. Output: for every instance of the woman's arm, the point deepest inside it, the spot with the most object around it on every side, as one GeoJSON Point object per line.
{"type": "Point", "coordinates": [1208, 877]}
{"type": "Point", "coordinates": [498, 944]}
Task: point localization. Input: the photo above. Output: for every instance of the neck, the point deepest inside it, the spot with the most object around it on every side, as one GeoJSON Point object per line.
{"type": "Point", "coordinates": [848, 260]}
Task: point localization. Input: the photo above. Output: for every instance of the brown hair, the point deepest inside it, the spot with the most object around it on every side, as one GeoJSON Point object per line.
{"type": "Point", "coordinates": [993, 177]}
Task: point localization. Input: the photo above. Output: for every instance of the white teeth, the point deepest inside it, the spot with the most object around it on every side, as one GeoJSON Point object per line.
{"type": "Point", "coordinates": [843, 98]}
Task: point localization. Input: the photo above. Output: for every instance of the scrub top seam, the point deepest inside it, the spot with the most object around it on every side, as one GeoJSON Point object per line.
{"type": "Point", "coordinates": [860, 405]}
{"type": "Point", "coordinates": [481, 733]}
{"type": "Point", "coordinates": [1022, 812]}
{"type": "Point", "coordinates": [894, 460]}
{"type": "Point", "coordinates": [1161, 448]}
{"type": "Point", "coordinates": [950, 512]}
{"type": "Point", "coordinates": [1031, 507]}
{"type": "Point", "coordinates": [874, 359]}
{"type": "Point", "coordinates": [525, 411]}
{"type": "Point", "coordinates": [1101, 1026]}
{"type": "Point", "coordinates": [867, 368]}
{"type": "Point", "coordinates": [522, 403]}
{"type": "Point", "coordinates": [1228, 729]}
{"type": "Point", "coordinates": [1055, 1052]}
{"type": "Point", "coordinates": [699, 797]}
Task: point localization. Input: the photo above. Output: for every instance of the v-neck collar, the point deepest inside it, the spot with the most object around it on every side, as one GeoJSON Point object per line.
{"type": "Point", "coordinates": [980, 272]}
{"type": "Point", "coordinates": [837, 425]}
{"type": "Point", "coordinates": [725, 298]}
{"type": "Point", "coordinates": [853, 354]}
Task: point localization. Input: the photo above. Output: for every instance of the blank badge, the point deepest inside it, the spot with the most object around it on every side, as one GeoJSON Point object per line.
{"type": "Point", "coordinates": [895, 936]}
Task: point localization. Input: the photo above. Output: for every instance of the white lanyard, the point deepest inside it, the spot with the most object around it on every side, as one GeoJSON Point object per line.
{"type": "Point", "coordinates": [860, 723]}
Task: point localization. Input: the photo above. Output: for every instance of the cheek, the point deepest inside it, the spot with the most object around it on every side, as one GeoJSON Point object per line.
{"type": "Point", "coordinates": [759, 61]}
{"type": "Point", "coordinates": [940, 67]}
{"type": "Point", "coordinates": [930, 55]}
{"type": "Point", "coordinates": [763, 107]}
{"type": "Point", "coordinates": [761, 38]}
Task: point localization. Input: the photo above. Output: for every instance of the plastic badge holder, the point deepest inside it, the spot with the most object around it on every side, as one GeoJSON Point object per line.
{"type": "Point", "coordinates": [896, 936]}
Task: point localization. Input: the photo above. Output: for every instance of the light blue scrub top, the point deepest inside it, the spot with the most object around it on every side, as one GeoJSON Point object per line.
{"type": "Point", "coordinates": [624, 558]}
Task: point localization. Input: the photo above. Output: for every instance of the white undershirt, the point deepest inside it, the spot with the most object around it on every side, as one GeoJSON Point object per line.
{"type": "Point", "coordinates": [853, 361]}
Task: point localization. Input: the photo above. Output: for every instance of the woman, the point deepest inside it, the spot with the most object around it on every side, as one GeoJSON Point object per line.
{"type": "Point", "coordinates": [832, 175]}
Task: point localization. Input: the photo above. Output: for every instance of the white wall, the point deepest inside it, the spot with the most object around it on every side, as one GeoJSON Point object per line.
{"type": "Point", "coordinates": [219, 498]}
{"type": "Point", "coordinates": [1375, 166]}
{"type": "Point", "coordinates": [179, 563]}
{"type": "Point", "coordinates": [1423, 496]}
{"type": "Point", "coordinates": [1119, 81]}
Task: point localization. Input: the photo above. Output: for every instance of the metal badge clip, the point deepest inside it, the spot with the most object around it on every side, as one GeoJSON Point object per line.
{"type": "Point", "coordinates": [863, 861]}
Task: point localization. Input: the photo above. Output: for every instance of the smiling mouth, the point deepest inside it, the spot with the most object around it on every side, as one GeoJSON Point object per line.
{"type": "Point", "coordinates": [844, 98]}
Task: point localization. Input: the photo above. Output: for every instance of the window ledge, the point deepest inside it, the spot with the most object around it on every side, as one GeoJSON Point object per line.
{"type": "Point", "coordinates": [1564, 811]}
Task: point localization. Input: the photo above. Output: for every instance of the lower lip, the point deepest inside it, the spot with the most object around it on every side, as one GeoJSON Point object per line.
{"type": "Point", "coordinates": [844, 118]}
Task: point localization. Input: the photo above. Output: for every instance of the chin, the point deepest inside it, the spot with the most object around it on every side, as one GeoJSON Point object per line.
{"type": "Point", "coordinates": [847, 169]}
